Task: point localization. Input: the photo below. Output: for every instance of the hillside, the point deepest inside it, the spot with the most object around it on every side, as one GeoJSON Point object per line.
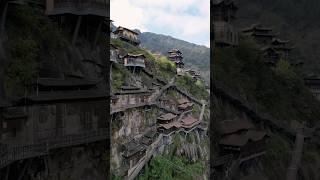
{"type": "Point", "coordinates": [195, 56]}
{"type": "Point", "coordinates": [294, 19]}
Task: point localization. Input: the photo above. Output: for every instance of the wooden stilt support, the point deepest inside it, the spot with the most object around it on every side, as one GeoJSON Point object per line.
{"type": "Point", "coordinates": [3, 19]}
{"type": "Point", "coordinates": [97, 33]}
{"type": "Point", "coordinates": [7, 172]}
{"type": "Point", "coordinates": [25, 167]}
{"type": "Point", "coordinates": [76, 31]}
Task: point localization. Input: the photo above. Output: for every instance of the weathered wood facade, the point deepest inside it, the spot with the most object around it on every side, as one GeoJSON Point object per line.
{"type": "Point", "coordinates": [240, 138]}
{"type": "Point", "coordinates": [77, 7]}
{"type": "Point", "coordinates": [314, 85]}
{"type": "Point", "coordinates": [175, 55]}
{"type": "Point", "coordinates": [130, 96]}
{"type": "Point", "coordinates": [272, 48]}
{"type": "Point", "coordinates": [57, 113]}
{"type": "Point", "coordinates": [127, 35]}
{"type": "Point", "coordinates": [263, 35]}
{"type": "Point", "coordinates": [225, 33]}
{"type": "Point", "coordinates": [134, 62]}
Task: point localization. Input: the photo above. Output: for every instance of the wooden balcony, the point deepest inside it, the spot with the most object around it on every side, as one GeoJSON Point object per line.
{"type": "Point", "coordinates": [128, 39]}
{"type": "Point", "coordinates": [78, 7]}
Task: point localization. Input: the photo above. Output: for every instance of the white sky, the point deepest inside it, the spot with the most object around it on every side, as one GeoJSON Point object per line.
{"type": "Point", "coordinates": [188, 20]}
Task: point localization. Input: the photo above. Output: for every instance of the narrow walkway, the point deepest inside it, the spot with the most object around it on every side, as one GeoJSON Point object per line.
{"type": "Point", "coordinates": [296, 155]}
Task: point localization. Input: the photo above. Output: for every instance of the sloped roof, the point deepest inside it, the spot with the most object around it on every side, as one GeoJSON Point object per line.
{"type": "Point", "coordinates": [132, 148]}
{"type": "Point", "coordinates": [225, 2]}
{"type": "Point", "coordinates": [54, 82]}
{"type": "Point", "coordinates": [166, 117]}
{"type": "Point", "coordinates": [231, 126]}
{"type": "Point", "coordinates": [174, 51]}
{"type": "Point", "coordinates": [185, 105]}
{"type": "Point", "coordinates": [280, 41]}
{"type": "Point", "coordinates": [120, 28]}
{"type": "Point", "coordinates": [255, 176]}
{"type": "Point", "coordinates": [170, 125]}
{"type": "Point", "coordinates": [312, 81]}
{"type": "Point", "coordinates": [189, 120]}
{"type": "Point", "coordinates": [256, 26]}
{"type": "Point", "coordinates": [64, 95]}
{"type": "Point", "coordinates": [182, 101]}
{"type": "Point", "coordinates": [134, 55]}
{"type": "Point", "coordinates": [242, 139]}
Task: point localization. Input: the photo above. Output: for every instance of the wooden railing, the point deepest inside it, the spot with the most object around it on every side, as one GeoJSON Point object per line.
{"type": "Point", "coordinates": [11, 153]}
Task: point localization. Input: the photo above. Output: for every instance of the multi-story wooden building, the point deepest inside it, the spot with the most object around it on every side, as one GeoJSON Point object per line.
{"type": "Point", "coordinates": [175, 55]}
{"type": "Point", "coordinates": [85, 18]}
{"type": "Point", "coordinates": [57, 113]}
{"type": "Point", "coordinates": [130, 96]}
{"type": "Point", "coordinates": [314, 85]}
{"type": "Point", "coordinates": [225, 34]}
{"type": "Point", "coordinates": [127, 35]}
{"type": "Point", "coordinates": [133, 152]}
{"type": "Point", "coordinates": [134, 62]}
{"type": "Point", "coordinates": [282, 47]}
{"type": "Point", "coordinates": [240, 138]}
{"type": "Point", "coordinates": [262, 35]}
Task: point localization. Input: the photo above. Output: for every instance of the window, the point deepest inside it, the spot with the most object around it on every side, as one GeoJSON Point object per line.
{"type": "Point", "coordinates": [4, 125]}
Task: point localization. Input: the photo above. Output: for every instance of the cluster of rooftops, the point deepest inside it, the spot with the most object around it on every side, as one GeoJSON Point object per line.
{"type": "Point", "coordinates": [139, 60]}
{"type": "Point", "coordinates": [240, 137]}
{"type": "Point", "coordinates": [226, 34]}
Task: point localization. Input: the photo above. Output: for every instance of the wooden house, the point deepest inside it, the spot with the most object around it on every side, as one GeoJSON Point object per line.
{"type": "Point", "coordinates": [84, 18]}
{"type": "Point", "coordinates": [86, 7]}
{"type": "Point", "coordinates": [129, 95]}
{"type": "Point", "coordinates": [166, 118]}
{"type": "Point", "coordinates": [225, 34]}
{"type": "Point", "coordinates": [314, 85]}
{"type": "Point", "coordinates": [282, 47]}
{"type": "Point", "coordinates": [169, 127]}
{"type": "Point", "coordinates": [240, 138]}
{"type": "Point", "coordinates": [245, 144]}
{"type": "Point", "coordinates": [134, 62]}
{"type": "Point", "coordinates": [271, 55]}
{"type": "Point", "coordinates": [262, 35]}
{"type": "Point", "coordinates": [175, 55]}
{"type": "Point", "coordinates": [149, 137]}
{"type": "Point", "coordinates": [56, 109]}
{"type": "Point", "coordinates": [184, 105]}
{"type": "Point", "coordinates": [133, 151]}
{"type": "Point", "coordinates": [189, 122]}
{"type": "Point", "coordinates": [167, 102]}
{"type": "Point", "coordinates": [127, 35]}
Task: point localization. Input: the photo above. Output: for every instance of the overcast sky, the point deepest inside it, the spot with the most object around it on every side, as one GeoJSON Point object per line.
{"type": "Point", "coordinates": [188, 20]}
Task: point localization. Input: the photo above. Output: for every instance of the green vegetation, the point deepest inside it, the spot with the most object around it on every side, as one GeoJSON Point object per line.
{"type": "Point", "coordinates": [161, 67]}
{"type": "Point", "coordinates": [119, 75]}
{"type": "Point", "coordinates": [279, 91]}
{"type": "Point", "coordinates": [165, 68]}
{"type": "Point", "coordinates": [277, 155]}
{"type": "Point", "coordinates": [296, 20]}
{"type": "Point", "coordinates": [31, 35]}
{"type": "Point", "coordinates": [195, 56]}
{"type": "Point", "coordinates": [197, 89]}
{"type": "Point", "coordinates": [164, 167]}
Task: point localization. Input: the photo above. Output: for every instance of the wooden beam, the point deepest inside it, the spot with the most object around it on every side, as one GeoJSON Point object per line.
{"type": "Point", "coordinates": [3, 18]}
{"type": "Point", "coordinates": [25, 167]}
{"type": "Point", "coordinates": [7, 172]}
{"type": "Point", "coordinates": [98, 33]}
{"type": "Point", "coordinates": [76, 31]}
